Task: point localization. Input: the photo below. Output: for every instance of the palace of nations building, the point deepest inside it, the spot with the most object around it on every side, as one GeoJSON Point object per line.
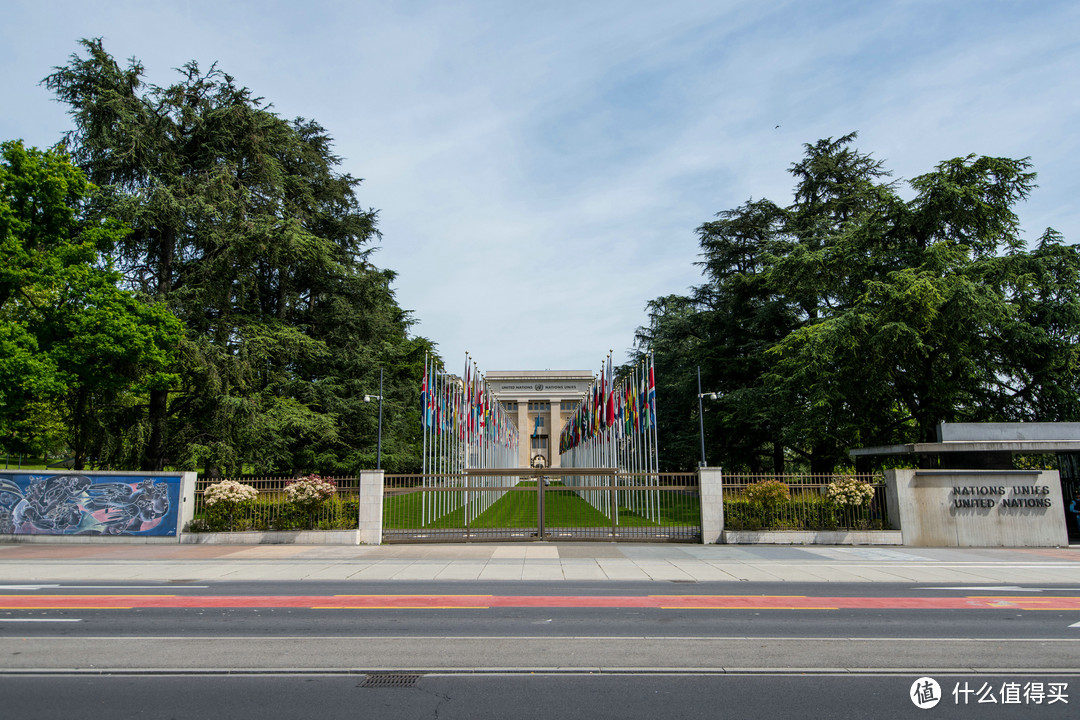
{"type": "Point", "coordinates": [538, 403]}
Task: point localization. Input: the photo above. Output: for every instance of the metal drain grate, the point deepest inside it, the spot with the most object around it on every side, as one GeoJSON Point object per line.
{"type": "Point", "coordinates": [391, 680]}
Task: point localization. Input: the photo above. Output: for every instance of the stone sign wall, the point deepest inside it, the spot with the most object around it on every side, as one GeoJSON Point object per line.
{"type": "Point", "coordinates": [977, 508]}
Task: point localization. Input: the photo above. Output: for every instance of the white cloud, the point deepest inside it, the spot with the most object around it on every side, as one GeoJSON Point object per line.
{"type": "Point", "coordinates": [540, 169]}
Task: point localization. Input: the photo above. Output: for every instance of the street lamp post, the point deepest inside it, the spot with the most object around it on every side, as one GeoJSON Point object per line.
{"type": "Point", "coordinates": [367, 398]}
{"type": "Point", "coordinates": [701, 414]}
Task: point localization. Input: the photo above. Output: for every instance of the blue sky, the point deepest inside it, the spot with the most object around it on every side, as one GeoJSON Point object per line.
{"type": "Point", "coordinates": [540, 168]}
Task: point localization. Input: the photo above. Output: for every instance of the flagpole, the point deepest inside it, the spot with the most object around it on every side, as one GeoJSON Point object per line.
{"type": "Point", "coordinates": [423, 453]}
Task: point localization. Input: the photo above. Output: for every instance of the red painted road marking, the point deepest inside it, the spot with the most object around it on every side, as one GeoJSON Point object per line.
{"type": "Point", "coordinates": [671, 602]}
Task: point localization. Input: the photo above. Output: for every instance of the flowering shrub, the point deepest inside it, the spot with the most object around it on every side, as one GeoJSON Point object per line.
{"type": "Point", "coordinates": [850, 491]}
{"type": "Point", "coordinates": [308, 493]}
{"type": "Point", "coordinates": [310, 490]}
{"type": "Point", "coordinates": [222, 500]}
{"type": "Point", "coordinates": [229, 493]}
{"type": "Point", "coordinates": [769, 493]}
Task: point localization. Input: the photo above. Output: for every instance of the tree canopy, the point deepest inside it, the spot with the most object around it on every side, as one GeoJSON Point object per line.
{"type": "Point", "coordinates": [853, 317]}
{"type": "Point", "coordinates": [238, 226]}
{"type": "Point", "coordinates": [77, 350]}
{"type": "Point", "coordinates": [186, 281]}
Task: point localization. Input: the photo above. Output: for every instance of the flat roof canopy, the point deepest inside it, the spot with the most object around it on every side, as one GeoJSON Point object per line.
{"type": "Point", "coordinates": [997, 438]}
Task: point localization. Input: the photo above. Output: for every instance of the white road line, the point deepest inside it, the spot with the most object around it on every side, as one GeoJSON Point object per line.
{"type": "Point", "coordinates": [101, 587]}
{"type": "Point", "coordinates": [4, 620]}
{"type": "Point", "coordinates": [1002, 588]}
{"type": "Point", "coordinates": [587, 671]}
{"type": "Point", "coordinates": [543, 638]}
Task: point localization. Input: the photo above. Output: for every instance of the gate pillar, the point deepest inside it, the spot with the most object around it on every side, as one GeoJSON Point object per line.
{"type": "Point", "coordinates": [712, 505]}
{"type": "Point", "coordinates": [371, 507]}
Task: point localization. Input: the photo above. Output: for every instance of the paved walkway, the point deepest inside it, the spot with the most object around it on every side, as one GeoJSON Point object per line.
{"type": "Point", "coordinates": [69, 562]}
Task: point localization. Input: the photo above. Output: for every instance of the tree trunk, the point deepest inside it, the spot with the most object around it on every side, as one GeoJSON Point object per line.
{"type": "Point", "coordinates": [778, 457]}
{"type": "Point", "coordinates": [167, 251]}
{"type": "Point", "coordinates": [155, 449]}
{"type": "Point", "coordinates": [159, 399]}
{"type": "Point", "coordinates": [78, 438]}
{"type": "Point", "coordinates": [821, 461]}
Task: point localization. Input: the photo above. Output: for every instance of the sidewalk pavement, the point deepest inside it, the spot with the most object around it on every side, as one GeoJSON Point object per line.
{"type": "Point", "coordinates": [500, 562]}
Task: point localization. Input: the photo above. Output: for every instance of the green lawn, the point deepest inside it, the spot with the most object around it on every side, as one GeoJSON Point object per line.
{"type": "Point", "coordinates": [12, 462]}
{"type": "Point", "coordinates": [516, 508]}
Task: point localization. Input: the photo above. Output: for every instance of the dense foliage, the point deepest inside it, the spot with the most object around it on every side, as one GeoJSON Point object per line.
{"type": "Point", "coordinates": [231, 231]}
{"type": "Point", "coordinates": [854, 317]}
{"type": "Point", "coordinates": [76, 351]}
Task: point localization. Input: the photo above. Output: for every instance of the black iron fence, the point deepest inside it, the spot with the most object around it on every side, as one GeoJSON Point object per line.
{"type": "Point", "coordinates": [271, 509]}
{"type": "Point", "coordinates": [805, 502]}
{"type": "Point", "coordinates": [553, 504]}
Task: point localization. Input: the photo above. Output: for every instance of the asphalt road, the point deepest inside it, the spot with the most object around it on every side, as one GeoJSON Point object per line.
{"type": "Point", "coordinates": [551, 650]}
{"type": "Point", "coordinates": [537, 626]}
{"type": "Point", "coordinates": [527, 696]}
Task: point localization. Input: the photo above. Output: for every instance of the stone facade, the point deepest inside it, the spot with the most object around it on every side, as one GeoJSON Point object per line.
{"type": "Point", "coordinates": [977, 508]}
{"type": "Point", "coordinates": [538, 403]}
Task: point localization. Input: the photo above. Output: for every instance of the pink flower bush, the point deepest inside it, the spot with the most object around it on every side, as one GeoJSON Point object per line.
{"type": "Point", "coordinates": [228, 493]}
{"type": "Point", "coordinates": [310, 491]}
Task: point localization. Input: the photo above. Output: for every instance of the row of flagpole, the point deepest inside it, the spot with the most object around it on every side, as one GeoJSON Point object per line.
{"type": "Point", "coordinates": [614, 426]}
{"type": "Point", "coordinates": [465, 428]}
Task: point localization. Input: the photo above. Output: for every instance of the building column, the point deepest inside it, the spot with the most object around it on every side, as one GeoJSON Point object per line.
{"type": "Point", "coordinates": [188, 482]}
{"type": "Point", "coordinates": [555, 420]}
{"type": "Point", "coordinates": [371, 507]}
{"type": "Point", "coordinates": [524, 434]}
{"type": "Point", "coordinates": [711, 491]}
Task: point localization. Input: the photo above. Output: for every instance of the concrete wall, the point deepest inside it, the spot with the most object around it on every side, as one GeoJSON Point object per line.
{"type": "Point", "coordinates": [712, 505]}
{"type": "Point", "coordinates": [274, 537]}
{"type": "Point", "coordinates": [977, 508]}
{"type": "Point", "coordinates": [371, 507]}
{"type": "Point", "coordinates": [104, 506]}
{"type": "Point", "coordinates": [1008, 432]}
{"type": "Point", "coordinates": [813, 537]}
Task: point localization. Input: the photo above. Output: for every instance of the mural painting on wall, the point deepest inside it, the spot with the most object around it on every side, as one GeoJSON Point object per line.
{"type": "Point", "coordinates": [72, 504]}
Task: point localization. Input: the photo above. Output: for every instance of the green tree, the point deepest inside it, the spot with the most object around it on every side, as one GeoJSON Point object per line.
{"type": "Point", "coordinates": [74, 344]}
{"type": "Point", "coordinates": [243, 226]}
{"type": "Point", "coordinates": [854, 317]}
{"type": "Point", "coordinates": [743, 316]}
{"type": "Point", "coordinates": [1036, 365]}
{"type": "Point", "coordinates": [911, 326]}
{"type": "Point", "coordinates": [674, 335]}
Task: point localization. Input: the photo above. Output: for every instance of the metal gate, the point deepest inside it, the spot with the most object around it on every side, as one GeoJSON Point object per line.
{"type": "Point", "coordinates": [554, 504]}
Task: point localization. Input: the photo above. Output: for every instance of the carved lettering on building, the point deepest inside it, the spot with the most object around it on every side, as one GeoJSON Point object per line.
{"type": "Point", "coordinates": [542, 387]}
{"type": "Point", "coordinates": [988, 496]}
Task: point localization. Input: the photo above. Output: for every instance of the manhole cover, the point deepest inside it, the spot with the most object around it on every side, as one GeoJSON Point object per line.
{"type": "Point", "coordinates": [391, 680]}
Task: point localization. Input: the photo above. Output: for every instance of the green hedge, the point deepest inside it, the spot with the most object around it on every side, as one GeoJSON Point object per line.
{"type": "Point", "coordinates": [807, 512]}
{"type": "Point", "coordinates": [277, 514]}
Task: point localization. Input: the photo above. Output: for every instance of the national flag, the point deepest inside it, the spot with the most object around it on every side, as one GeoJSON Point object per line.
{"type": "Point", "coordinates": [643, 401]}
{"type": "Point", "coordinates": [424, 395]}
{"type": "Point", "coordinates": [652, 392]}
{"type": "Point", "coordinates": [610, 394]}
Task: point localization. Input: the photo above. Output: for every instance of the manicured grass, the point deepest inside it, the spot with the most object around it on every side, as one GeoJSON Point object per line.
{"type": "Point", "coordinates": [516, 508]}
{"type": "Point", "coordinates": [513, 508]}
{"type": "Point", "coordinates": [12, 462]}
{"type": "Point", "coordinates": [407, 511]}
